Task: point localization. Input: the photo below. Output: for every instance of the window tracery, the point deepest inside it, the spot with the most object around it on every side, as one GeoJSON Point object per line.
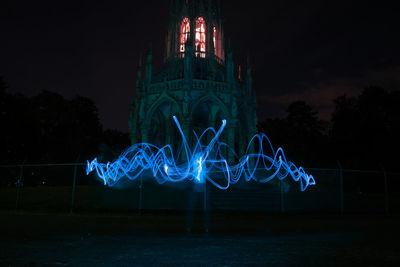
{"type": "Point", "coordinates": [200, 43]}
{"type": "Point", "coordinates": [185, 31]}
{"type": "Point", "coordinates": [215, 40]}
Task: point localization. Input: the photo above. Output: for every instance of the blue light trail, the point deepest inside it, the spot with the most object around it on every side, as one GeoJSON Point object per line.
{"type": "Point", "coordinates": [203, 163]}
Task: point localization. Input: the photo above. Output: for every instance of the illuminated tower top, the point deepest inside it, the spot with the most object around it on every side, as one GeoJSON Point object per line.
{"type": "Point", "coordinates": [195, 25]}
{"type": "Point", "coordinates": [197, 82]}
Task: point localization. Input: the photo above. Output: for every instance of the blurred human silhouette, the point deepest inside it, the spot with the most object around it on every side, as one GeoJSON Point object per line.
{"type": "Point", "coordinates": [198, 199]}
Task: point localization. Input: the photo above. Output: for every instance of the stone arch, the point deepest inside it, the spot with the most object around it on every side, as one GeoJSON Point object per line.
{"type": "Point", "coordinates": [216, 100]}
{"type": "Point", "coordinates": [160, 101]}
{"type": "Point", "coordinates": [161, 127]}
{"type": "Point", "coordinates": [207, 112]}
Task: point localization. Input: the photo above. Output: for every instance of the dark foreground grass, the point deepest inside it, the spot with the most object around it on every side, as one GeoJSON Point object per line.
{"type": "Point", "coordinates": [29, 239]}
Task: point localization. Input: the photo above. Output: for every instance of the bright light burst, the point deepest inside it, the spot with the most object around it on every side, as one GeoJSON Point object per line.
{"type": "Point", "coordinates": [203, 163]}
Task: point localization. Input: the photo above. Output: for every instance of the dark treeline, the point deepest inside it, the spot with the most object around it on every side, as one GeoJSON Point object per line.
{"type": "Point", "coordinates": [363, 132]}
{"type": "Point", "coordinates": [48, 128]}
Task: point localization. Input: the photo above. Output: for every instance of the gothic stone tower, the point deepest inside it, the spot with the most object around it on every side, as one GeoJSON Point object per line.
{"type": "Point", "coordinates": [197, 83]}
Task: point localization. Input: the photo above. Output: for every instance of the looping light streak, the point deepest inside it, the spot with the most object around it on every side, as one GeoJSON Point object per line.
{"type": "Point", "coordinates": [203, 163]}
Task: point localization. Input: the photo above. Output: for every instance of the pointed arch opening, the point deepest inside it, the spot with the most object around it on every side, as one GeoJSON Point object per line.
{"type": "Point", "coordinates": [184, 34]}
{"type": "Point", "coordinates": [200, 44]}
{"type": "Point", "coordinates": [215, 39]}
{"type": "Point", "coordinates": [162, 130]}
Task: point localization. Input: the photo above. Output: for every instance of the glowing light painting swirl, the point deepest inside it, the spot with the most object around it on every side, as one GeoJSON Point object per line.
{"type": "Point", "coordinates": [203, 163]}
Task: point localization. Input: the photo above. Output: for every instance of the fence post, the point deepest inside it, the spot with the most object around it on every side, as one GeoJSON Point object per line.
{"type": "Point", "coordinates": [19, 184]}
{"type": "Point", "coordinates": [282, 197]}
{"type": "Point", "coordinates": [74, 185]}
{"type": "Point", "coordinates": [386, 190]}
{"type": "Point", "coordinates": [140, 194]}
{"type": "Point", "coordinates": [341, 189]}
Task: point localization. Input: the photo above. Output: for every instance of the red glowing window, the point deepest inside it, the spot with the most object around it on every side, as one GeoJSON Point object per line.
{"type": "Point", "coordinates": [215, 40]}
{"type": "Point", "coordinates": [200, 45]}
{"type": "Point", "coordinates": [185, 31]}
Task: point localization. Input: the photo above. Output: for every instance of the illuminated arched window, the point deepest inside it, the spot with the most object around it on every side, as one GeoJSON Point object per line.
{"type": "Point", "coordinates": [185, 31]}
{"type": "Point", "coordinates": [200, 45]}
{"type": "Point", "coordinates": [215, 40]}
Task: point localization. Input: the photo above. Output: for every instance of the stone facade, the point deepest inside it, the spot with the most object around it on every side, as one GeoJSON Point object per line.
{"type": "Point", "coordinates": [197, 83]}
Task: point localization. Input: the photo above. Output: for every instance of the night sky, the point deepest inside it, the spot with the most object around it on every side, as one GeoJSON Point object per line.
{"type": "Point", "coordinates": [300, 50]}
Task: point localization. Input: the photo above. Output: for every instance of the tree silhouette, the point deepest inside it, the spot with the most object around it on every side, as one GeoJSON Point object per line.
{"type": "Point", "coordinates": [3, 86]}
{"type": "Point", "coordinates": [300, 133]}
{"type": "Point", "coordinates": [365, 129]}
{"type": "Point", "coordinates": [48, 128]}
{"type": "Point", "coordinates": [16, 121]}
{"type": "Point", "coordinates": [66, 128]}
{"type": "Point", "coordinates": [3, 119]}
{"type": "Point", "coordinates": [113, 142]}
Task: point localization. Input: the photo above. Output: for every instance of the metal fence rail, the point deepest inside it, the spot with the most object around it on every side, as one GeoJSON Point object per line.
{"type": "Point", "coordinates": [66, 187]}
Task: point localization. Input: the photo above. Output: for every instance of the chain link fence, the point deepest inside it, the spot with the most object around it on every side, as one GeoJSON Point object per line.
{"type": "Point", "coordinates": [66, 188]}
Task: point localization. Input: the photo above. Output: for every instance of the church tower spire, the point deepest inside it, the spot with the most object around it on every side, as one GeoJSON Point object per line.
{"type": "Point", "coordinates": [149, 67]}
{"type": "Point", "coordinates": [196, 82]}
{"type": "Point", "coordinates": [198, 21]}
